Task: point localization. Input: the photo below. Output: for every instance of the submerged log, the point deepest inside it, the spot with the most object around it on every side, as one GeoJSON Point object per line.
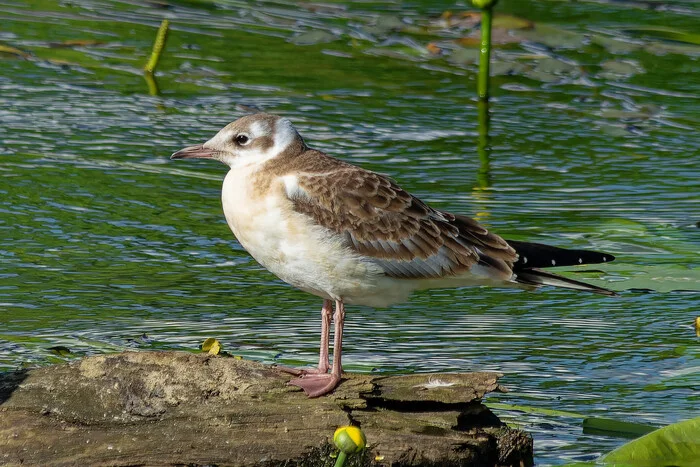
{"type": "Point", "coordinates": [177, 408]}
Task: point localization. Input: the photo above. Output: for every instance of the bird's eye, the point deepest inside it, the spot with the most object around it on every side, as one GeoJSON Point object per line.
{"type": "Point", "coordinates": [242, 140]}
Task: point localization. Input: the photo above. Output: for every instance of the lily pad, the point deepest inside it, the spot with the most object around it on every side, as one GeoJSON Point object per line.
{"type": "Point", "coordinates": [557, 67]}
{"type": "Point", "coordinates": [610, 427]}
{"type": "Point", "coordinates": [313, 37]}
{"type": "Point", "coordinates": [472, 19]}
{"type": "Point", "coordinates": [612, 69]}
{"type": "Point", "coordinates": [464, 56]}
{"type": "Point", "coordinates": [615, 45]}
{"type": "Point", "coordinates": [501, 67]}
{"type": "Point", "coordinates": [385, 25]}
{"type": "Point", "coordinates": [664, 33]}
{"type": "Point", "coordinates": [677, 445]}
{"type": "Point", "coordinates": [553, 37]}
{"type": "Point", "coordinates": [663, 48]}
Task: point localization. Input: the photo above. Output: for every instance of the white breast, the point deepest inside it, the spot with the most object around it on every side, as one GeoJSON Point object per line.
{"type": "Point", "coordinates": [299, 252]}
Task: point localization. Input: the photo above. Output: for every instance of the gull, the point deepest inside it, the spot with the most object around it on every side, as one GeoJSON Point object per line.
{"type": "Point", "coordinates": [355, 237]}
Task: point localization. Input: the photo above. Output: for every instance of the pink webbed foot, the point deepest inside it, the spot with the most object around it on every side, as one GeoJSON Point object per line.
{"type": "Point", "coordinates": [315, 385]}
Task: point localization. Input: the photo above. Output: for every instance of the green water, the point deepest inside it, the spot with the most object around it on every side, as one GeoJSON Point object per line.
{"type": "Point", "coordinates": [106, 245]}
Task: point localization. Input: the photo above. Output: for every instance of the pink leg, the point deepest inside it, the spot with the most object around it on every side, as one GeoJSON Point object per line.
{"type": "Point", "coordinates": [339, 319]}
{"type": "Point", "coordinates": [315, 385]}
{"type": "Point", "coordinates": [326, 312]}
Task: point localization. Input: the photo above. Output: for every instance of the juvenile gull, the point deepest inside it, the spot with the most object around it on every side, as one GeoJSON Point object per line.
{"type": "Point", "coordinates": [352, 236]}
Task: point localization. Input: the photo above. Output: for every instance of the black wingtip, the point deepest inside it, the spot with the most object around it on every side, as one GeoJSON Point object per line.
{"type": "Point", "coordinates": [538, 255]}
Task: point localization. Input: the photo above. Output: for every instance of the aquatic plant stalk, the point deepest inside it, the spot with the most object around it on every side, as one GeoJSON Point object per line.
{"type": "Point", "coordinates": [485, 52]}
{"type": "Point", "coordinates": [485, 47]}
{"type": "Point", "coordinates": [153, 89]}
{"type": "Point", "coordinates": [158, 47]}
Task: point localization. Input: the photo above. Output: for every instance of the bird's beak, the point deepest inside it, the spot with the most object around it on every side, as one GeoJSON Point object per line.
{"type": "Point", "coordinates": [194, 152]}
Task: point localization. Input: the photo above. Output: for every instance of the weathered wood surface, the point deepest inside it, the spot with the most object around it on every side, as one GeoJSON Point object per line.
{"type": "Point", "coordinates": [176, 408]}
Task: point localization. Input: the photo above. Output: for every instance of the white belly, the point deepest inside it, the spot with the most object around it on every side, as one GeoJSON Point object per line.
{"type": "Point", "coordinates": [300, 253]}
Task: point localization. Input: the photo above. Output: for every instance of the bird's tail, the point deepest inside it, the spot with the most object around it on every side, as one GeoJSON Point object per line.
{"type": "Point", "coordinates": [532, 257]}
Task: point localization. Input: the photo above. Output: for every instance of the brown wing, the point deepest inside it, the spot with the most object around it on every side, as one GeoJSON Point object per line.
{"type": "Point", "coordinates": [406, 237]}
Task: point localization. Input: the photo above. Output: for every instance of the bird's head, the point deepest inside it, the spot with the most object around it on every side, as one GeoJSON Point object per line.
{"type": "Point", "coordinates": [249, 141]}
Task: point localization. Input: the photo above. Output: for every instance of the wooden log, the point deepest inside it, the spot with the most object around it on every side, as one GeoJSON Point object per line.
{"type": "Point", "coordinates": [166, 408]}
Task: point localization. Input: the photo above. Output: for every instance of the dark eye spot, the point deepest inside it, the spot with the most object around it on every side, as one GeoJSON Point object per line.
{"type": "Point", "coordinates": [242, 139]}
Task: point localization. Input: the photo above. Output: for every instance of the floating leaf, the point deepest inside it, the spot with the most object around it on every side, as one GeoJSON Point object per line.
{"type": "Point", "coordinates": [76, 43]}
{"type": "Point", "coordinates": [404, 48]}
{"type": "Point", "coordinates": [663, 48]}
{"type": "Point", "coordinates": [552, 37]}
{"type": "Point", "coordinates": [6, 49]}
{"type": "Point", "coordinates": [610, 427]}
{"type": "Point", "coordinates": [676, 445]}
{"type": "Point", "coordinates": [313, 37]}
{"type": "Point", "coordinates": [211, 346]}
{"type": "Point", "coordinates": [471, 19]}
{"type": "Point", "coordinates": [504, 67]}
{"type": "Point", "coordinates": [557, 67]}
{"type": "Point", "coordinates": [511, 22]}
{"type": "Point", "coordinates": [543, 76]}
{"type": "Point", "coordinates": [615, 45]}
{"type": "Point", "coordinates": [465, 20]}
{"type": "Point", "coordinates": [664, 33]}
{"type": "Point", "coordinates": [499, 36]}
{"type": "Point", "coordinates": [61, 351]}
{"type": "Point", "coordinates": [387, 24]}
{"type": "Point", "coordinates": [619, 69]}
{"type": "Point", "coordinates": [536, 410]}
{"type": "Point", "coordinates": [464, 56]}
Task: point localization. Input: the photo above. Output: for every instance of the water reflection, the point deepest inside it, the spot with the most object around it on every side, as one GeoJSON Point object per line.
{"type": "Point", "coordinates": [483, 147]}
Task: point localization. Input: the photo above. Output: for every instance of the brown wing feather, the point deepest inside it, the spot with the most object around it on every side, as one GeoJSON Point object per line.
{"type": "Point", "coordinates": [407, 238]}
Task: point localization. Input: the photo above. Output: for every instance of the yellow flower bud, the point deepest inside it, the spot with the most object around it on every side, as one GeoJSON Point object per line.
{"type": "Point", "coordinates": [349, 439]}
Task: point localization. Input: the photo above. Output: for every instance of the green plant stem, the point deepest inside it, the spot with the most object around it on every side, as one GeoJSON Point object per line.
{"type": "Point", "coordinates": [158, 47]}
{"type": "Point", "coordinates": [152, 84]}
{"type": "Point", "coordinates": [485, 53]}
{"type": "Point", "coordinates": [340, 460]}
